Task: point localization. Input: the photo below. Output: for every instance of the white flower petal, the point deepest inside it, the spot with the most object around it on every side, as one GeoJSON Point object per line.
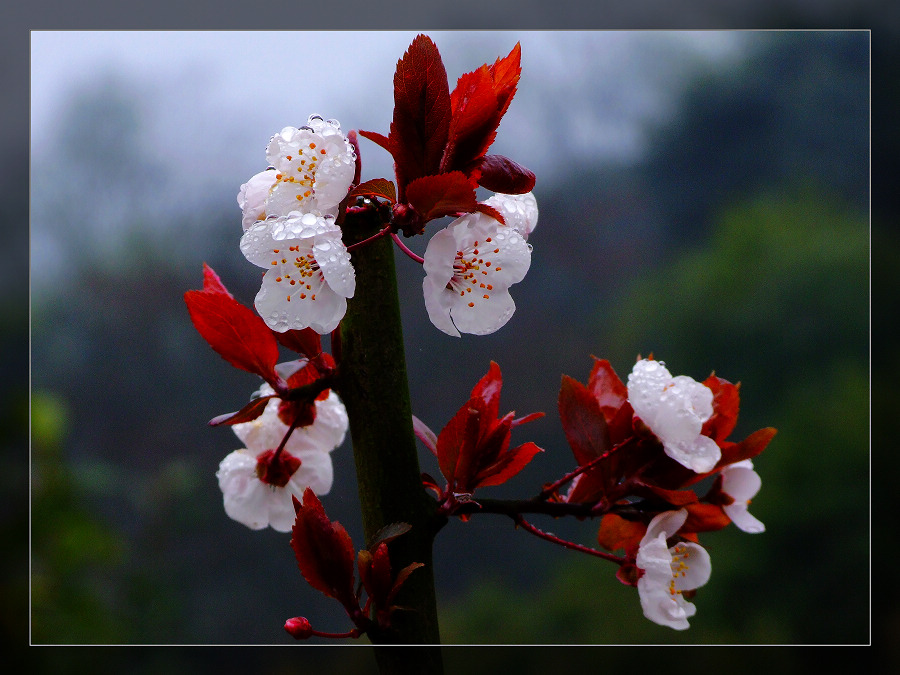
{"type": "Point", "coordinates": [316, 471]}
{"type": "Point", "coordinates": [253, 195]}
{"type": "Point", "coordinates": [690, 565]}
{"type": "Point", "coordinates": [741, 483]}
{"type": "Point", "coordinates": [482, 314]}
{"type": "Point", "coordinates": [438, 303]}
{"type": "Point", "coordinates": [470, 266]}
{"type": "Point", "coordinates": [245, 497]}
{"type": "Point", "coordinates": [334, 261]}
{"type": "Point", "coordinates": [674, 408]}
{"type": "Point", "coordinates": [519, 211]}
{"type": "Point", "coordinates": [327, 431]}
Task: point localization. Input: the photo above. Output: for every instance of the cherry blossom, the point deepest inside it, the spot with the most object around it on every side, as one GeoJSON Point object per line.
{"type": "Point", "coordinates": [469, 268]}
{"type": "Point", "coordinates": [314, 167]}
{"type": "Point", "coordinates": [741, 483]}
{"type": "Point", "coordinates": [669, 571]}
{"type": "Point", "coordinates": [308, 272]}
{"type": "Point", "coordinates": [258, 484]}
{"type": "Point", "coordinates": [674, 408]}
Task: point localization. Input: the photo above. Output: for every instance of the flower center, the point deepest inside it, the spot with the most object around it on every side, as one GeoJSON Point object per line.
{"type": "Point", "coordinates": [278, 470]}
{"type": "Point", "coordinates": [472, 271]}
{"type": "Point", "coordinates": [680, 554]}
{"type": "Point", "coordinates": [302, 169]}
{"type": "Point", "coordinates": [297, 272]}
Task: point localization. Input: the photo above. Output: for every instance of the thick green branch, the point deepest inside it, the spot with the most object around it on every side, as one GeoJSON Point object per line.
{"type": "Point", "coordinates": [374, 388]}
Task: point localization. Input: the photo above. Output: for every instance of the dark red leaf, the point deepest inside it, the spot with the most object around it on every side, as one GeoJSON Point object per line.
{"type": "Point", "coordinates": [234, 331]}
{"type": "Point", "coordinates": [246, 414]}
{"type": "Point", "coordinates": [379, 139]}
{"type": "Point", "coordinates": [323, 550]}
{"type": "Point", "coordinates": [421, 112]}
{"type": "Point", "coordinates": [473, 123]}
{"type": "Point", "coordinates": [509, 464]}
{"type": "Point", "coordinates": [306, 342]}
{"type": "Point", "coordinates": [505, 72]}
{"type": "Point", "coordinates": [705, 518]}
{"type": "Point", "coordinates": [610, 392]}
{"type": "Point", "coordinates": [488, 390]}
{"type": "Point", "coordinates": [212, 282]}
{"type": "Point", "coordinates": [582, 421]}
{"type": "Point", "coordinates": [375, 573]}
{"type": "Point", "coordinates": [615, 532]}
{"type": "Point", "coordinates": [442, 195]}
{"type": "Point", "coordinates": [402, 575]}
{"type": "Point", "coordinates": [454, 436]}
{"type": "Point", "coordinates": [748, 448]}
{"type": "Point", "coordinates": [389, 533]}
{"type": "Point", "coordinates": [501, 174]}
{"type": "Point", "coordinates": [676, 498]}
{"type": "Point", "coordinates": [377, 187]}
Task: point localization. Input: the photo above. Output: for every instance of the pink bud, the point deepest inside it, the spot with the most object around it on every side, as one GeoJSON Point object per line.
{"type": "Point", "coordinates": [298, 627]}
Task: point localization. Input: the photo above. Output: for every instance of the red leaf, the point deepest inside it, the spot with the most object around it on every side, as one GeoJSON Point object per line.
{"type": "Point", "coordinates": [488, 390]}
{"type": "Point", "coordinates": [501, 174]}
{"type": "Point", "coordinates": [375, 573]}
{"type": "Point", "coordinates": [505, 73]}
{"type": "Point", "coordinates": [676, 498]}
{"type": "Point", "coordinates": [582, 421]}
{"type": "Point", "coordinates": [610, 392]}
{"type": "Point", "coordinates": [234, 331]}
{"type": "Point", "coordinates": [456, 438]}
{"type": "Point", "coordinates": [479, 102]}
{"type": "Point", "coordinates": [306, 342]}
{"type": "Point", "coordinates": [401, 579]}
{"type": "Point", "coordinates": [377, 187]}
{"type": "Point", "coordinates": [490, 211]}
{"type": "Point", "coordinates": [323, 550]}
{"type": "Point", "coordinates": [379, 139]}
{"type": "Point", "coordinates": [421, 112]}
{"type": "Point", "coordinates": [474, 121]}
{"type": "Point", "coordinates": [212, 282]}
{"type": "Point", "coordinates": [246, 414]}
{"type": "Point", "coordinates": [748, 448]}
{"type": "Point", "coordinates": [726, 400]}
{"type": "Point", "coordinates": [615, 532]}
{"type": "Point", "coordinates": [442, 195]}
{"type": "Point", "coordinates": [510, 463]}
{"type": "Point", "coordinates": [705, 518]}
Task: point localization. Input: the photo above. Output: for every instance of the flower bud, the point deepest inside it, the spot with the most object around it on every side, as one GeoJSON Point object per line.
{"type": "Point", "coordinates": [298, 627]}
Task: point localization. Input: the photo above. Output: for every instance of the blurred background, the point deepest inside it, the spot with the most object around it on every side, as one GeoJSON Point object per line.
{"type": "Point", "coordinates": [703, 196]}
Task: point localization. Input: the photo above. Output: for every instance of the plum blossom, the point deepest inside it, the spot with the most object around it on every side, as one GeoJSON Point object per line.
{"type": "Point", "coordinates": [257, 490]}
{"type": "Point", "coordinates": [469, 268]}
{"type": "Point", "coordinates": [669, 571]}
{"type": "Point", "coordinates": [308, 272]}
{"type": "Point", "coordinates": [674, 408]}
{"type": "Point", "coordinates": [314, 167]}
{"type": "Point", "coordinates": [741, 483]}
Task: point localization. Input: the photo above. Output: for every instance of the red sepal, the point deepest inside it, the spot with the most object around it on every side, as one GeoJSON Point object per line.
{"type": "Point", "coordinates": [234, 331]}
{"type": "Point", "coordinates": [501, 174]}
{"type": "Point", "coordinates": [377, 187]}
{"type": "Point", "coordinates": [248, 413]}
{"type": "Point", "coordinates": [442, 195]}
{"type": "Point", "coordinates": [324, 551]}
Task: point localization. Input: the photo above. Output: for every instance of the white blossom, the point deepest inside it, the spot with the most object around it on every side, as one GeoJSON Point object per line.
{"type": "Point", "coordinates": [314, 167]}
{"type": "Point", "coordinates": [308, 272]}
{"type": "Point", "coordinates": [741, 483]}
{"type": "Point", "coordinates": [674, 408]}
{"type": "Point", "coordinates": [258, 504]}
{"type": "Point", "coordinates": [668, 572]}
{"type": "Point", "coordinates": [469, 268]}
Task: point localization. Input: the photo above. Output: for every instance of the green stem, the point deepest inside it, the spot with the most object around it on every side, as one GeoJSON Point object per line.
{"type": "Point", "coordinates": [374, 388]}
